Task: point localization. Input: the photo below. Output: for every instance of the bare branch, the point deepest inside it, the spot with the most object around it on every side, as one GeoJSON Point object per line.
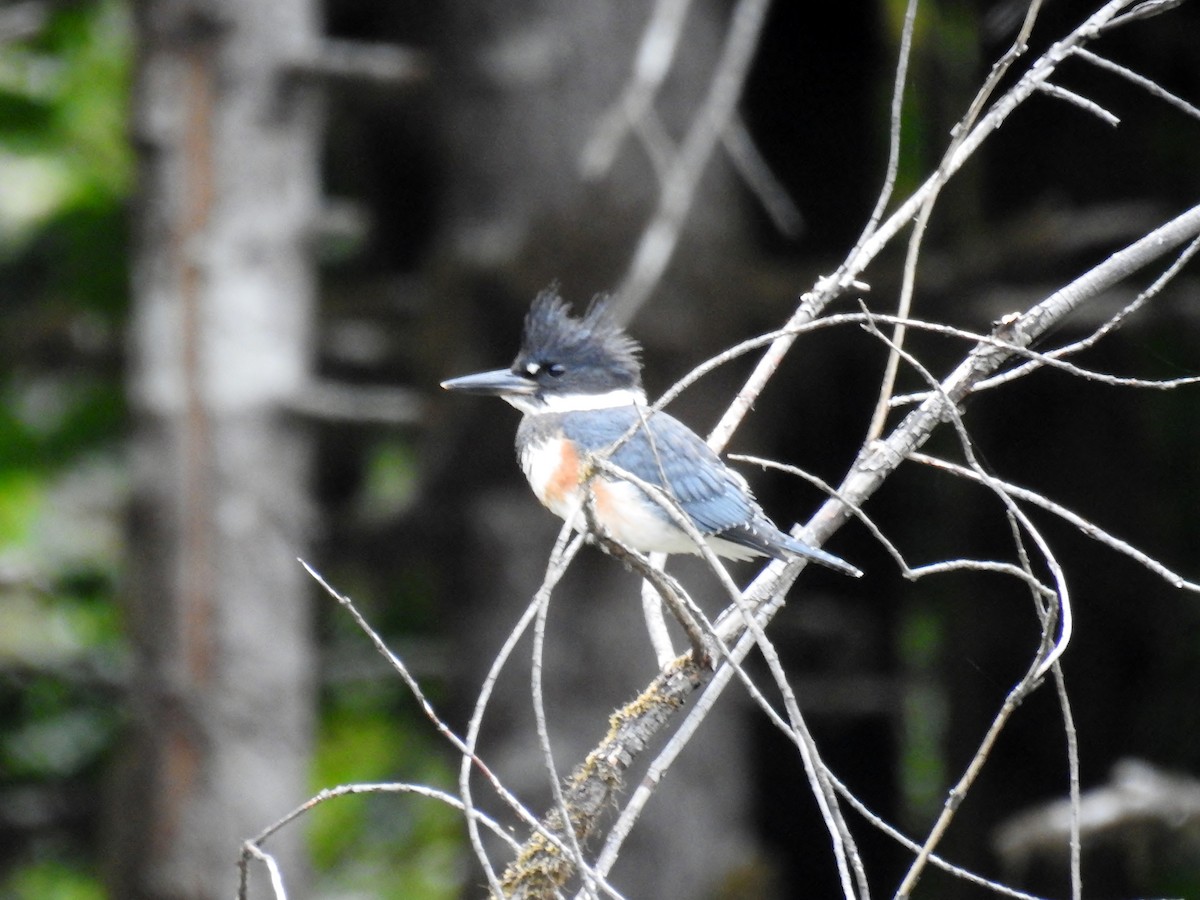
{"type": "Point", "coordinates": [656, 624]}
{"type": "Point", "coordinates": [1085, 526]}
{"type": "Point", "coordinates": [1111, 325]}
{"type": "Point", "coordinates": [1142, 11]}
{"type": "Point", "coordinates": [830, 288]}
{"type": "Point", "coordinates": [897, 108]}
{"type": "Point", "coordinates": [757, 174]}
{"type": "Point", "coordinates": [903, 308]}
{"type": "Point", "coordinates": [1047, 656]}
{"type": "Point", "coordinates": [560, 558]}
{"type": "Point", "coordinates": [1051, 650]}
{"type": "Point", "coordinates": [660, 237]}
{"type": "Point", "coordinates": [1000, 69]}
{"type": "Point", "coordinates": [655, 54]}
{"type": "Point", "coordinates": [830, 491]}
{"type": "Point", "coordinates": [543, 734]}
{"type": "Point", "coordinates": [466, 748]}
{"type": "Point", "coordinates": [252, 848]}
{"type": "Point", "coordinates": [253, 851]}
{"type": "Point", "coordinates": [1053, 90]}
{"type": "Point", "coordinates": [955, 797]}
{"type": "Point", "coordinates": [882, 458]}
{"type": "Point", "coordinates": [1064, 704]}
{"type": "Point", "coordinates": [1152, 87]}
{"type": "Point", "coordinates": [1076, 803]}
{"type": "Point", "coordinates": [540, 868]}
{"type": "Point", "coordinates": [878, 461]}
{"type": "Point", "coordinates": [896, 835]}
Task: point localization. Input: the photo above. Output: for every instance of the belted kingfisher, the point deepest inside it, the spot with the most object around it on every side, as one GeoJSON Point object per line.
{"type": "Point", "coordinates": [578, 382]}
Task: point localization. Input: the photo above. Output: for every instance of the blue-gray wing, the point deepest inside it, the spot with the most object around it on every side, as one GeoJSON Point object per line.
{"type": "Point", "coordinates": [666, 453]}
{"type": "Point", "coordinates": [669, 455]}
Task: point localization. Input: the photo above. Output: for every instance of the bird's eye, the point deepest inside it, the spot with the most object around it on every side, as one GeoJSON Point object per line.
{"type": "Point", "coordinates": [556, 370]}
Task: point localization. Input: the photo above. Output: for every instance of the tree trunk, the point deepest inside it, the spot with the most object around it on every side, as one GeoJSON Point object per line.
{"type": "Point", "coordinates": [223, 309]}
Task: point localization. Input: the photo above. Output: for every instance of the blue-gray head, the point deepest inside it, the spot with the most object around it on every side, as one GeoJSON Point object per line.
{"type": "Point", "coordinates": [565, 362]}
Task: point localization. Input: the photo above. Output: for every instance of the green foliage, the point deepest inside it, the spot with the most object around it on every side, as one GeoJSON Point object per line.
{"type": "Point", "coordinates": [51, 878]}
{"type": "Point", "coordinates": [47, 420]}
{"type": "Point", "coordinates": [390, 479]}
{"type": "Point", "coordinates": [387, 845]}
{"type": "Point", "coordinates": [942, 78]}
{"type": "Point", "coordinates": [65, 175]}
{"type": "Point", "coordinates": [63, 107]}
{"type": "Point", "coordinates": [922, 770]}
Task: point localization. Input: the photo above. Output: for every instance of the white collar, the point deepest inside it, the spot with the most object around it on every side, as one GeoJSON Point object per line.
{"type": "Point", "coordinates": [562, 403]}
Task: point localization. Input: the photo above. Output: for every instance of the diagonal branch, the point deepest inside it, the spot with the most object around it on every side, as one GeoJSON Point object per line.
{"type": "Point", "coordinates": [828, 289]}
{"type": "Point", "coordinates": [592, 785]}
{"type": "Point", "coordinates": [541, 868]}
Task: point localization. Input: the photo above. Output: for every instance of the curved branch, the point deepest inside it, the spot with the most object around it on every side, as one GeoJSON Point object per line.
{"type": "Point", "coordinates": [542, 866]}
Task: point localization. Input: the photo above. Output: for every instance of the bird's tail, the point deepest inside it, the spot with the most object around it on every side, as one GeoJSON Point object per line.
{"type": "Point", "coordinates": [771, 542]}
{"type": "Point", "coordinates": [817, 555]}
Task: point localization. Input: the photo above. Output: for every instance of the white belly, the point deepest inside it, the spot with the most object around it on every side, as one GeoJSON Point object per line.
{"type": "Point", "coordinates": [620, 508]}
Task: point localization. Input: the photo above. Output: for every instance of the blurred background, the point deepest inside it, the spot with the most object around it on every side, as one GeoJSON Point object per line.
{"type": "Point", "coordinates": [242, 242]}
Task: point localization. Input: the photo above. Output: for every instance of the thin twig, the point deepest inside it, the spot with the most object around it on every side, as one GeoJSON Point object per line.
{"type": "Point", "coordinates": [1076, 842]}
{"type": "Point", "coordinates": [1112, 324]}
{"type": "Point", "coordinates": [253, 851]}
{"type": "Point", "coordinates": [904, 306]}
{"type": "Point", "coordinates": [908, 843]}
{"type": "Point", "coordinates": [564, 551]}
{"type": "Point", "coordinates": [954, 416]}
{"type": "Point", "coordinates": [878, 461]}
{"type": "Point", "coordinates": [749, 162]}
{"type": "Point", "coordinates": [956, 795]}
{"type": "Point", "coordinates": [1046, 657]}
{"type": "Point", "coordinates": [958, 135]}
{"type": "Point", "coordinates": [903, 58]}
{"type": "Point", "coordinates": [913, 573]}
{"type": "Point", "coordinates": [661, 235]}
{"type": "Point", "coordinates": [1142, 11]}
{"type": "Point", "coordinates": [899, 330]}
{"type": "Point", "coordinates": [1064, 704]}
{"type": "Point", "coordinates": [543, 735]}
{"type": "Point", "coordinates": [1061, 93]}
{"type": "Point", "coordinates": [253, 847]}
{"type": "Point", "coordinates": [656, 52]}
{"type": "Point", "coordinates": [1085, 526]}
{"type": "Point", "coordinates": [813, 303]}
{"type": "Point", "coordinates": [652, 611]}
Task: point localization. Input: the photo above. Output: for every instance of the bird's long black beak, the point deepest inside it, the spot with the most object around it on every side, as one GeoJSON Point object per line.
{"type": "Point", "coordinates": [500, 383]}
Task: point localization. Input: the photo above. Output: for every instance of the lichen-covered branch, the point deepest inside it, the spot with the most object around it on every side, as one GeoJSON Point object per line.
{"type": "Point", "coordinates": [541, 868]}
